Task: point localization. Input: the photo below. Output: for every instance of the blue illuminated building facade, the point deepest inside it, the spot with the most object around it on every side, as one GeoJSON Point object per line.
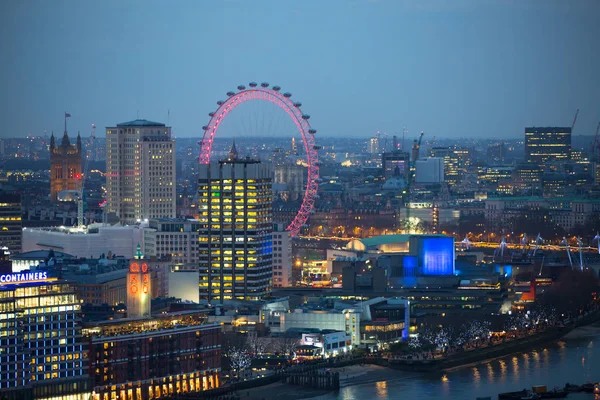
{"type": "Point", "coordinates": [235, 236]}
{"type": "Point", "coordinates": [435, 254]}
{"type": "Point", "coordinates": [41, 352]}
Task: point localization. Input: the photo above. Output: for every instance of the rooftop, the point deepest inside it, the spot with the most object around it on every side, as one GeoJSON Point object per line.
{"type": "Point", "coordinates": [140, 122]}
{"type": "Point", "coordinates": [387, 239]}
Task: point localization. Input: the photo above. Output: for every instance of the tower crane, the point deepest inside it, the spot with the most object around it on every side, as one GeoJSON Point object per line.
{"type": "Point", "coordinates": [411, 177]}
{"type": "Point", "coordinates": [595, 153]}
{"type": "Point", "coordinates": [574, 120]}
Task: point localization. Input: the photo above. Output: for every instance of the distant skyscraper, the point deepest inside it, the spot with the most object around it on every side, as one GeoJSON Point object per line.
{"type": "Point", "coordinates": [373, 145]}
{"type": "Point", "coordinates": [11, 231]}
{"type": "Point", "coordinates": [235, 239]}
{"type": "Point", "coordinates": [140, 171]}
{"type": "Point", "coordinates": [544, 145]}
{"type": "Point", "coordinates": [65, 165]}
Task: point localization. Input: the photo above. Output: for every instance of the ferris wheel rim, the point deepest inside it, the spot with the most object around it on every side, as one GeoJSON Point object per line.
{"type": "Point", "coordinates": [293, 109]}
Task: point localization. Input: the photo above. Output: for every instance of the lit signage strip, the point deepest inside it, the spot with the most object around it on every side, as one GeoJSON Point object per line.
{"type": "Point", "coordinates": [24, 277]}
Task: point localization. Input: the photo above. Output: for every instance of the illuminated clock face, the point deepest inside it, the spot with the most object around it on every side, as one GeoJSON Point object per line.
{"type": "Point", "coordinates": [134, 267]}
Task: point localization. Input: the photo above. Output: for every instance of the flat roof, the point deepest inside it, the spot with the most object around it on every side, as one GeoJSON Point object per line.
{"type": "Point", "coordinates": [140, 122]}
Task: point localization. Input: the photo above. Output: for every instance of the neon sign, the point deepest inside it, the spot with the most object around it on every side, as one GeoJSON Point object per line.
{"type": "Point", "coordinates": [24, 277]}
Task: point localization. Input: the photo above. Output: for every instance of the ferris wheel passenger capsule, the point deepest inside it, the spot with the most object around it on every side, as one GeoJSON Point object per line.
{"type": "Point", "coordinates": [297, 104]}
{"type": "Point", "coordinates": [287, 94]}
{"type": "Point", "coordinates": [230, 94]}
{"type": "Point", "coordinates": [220, 102]}
{"type": "Point", "coordinates": [317, 147]}
{"type": "Point", "coordinates": [312, 131]}
{"type": "Point", "coordinates": [241, 87]}
{"type": "Point", "coordinates": [252, 84]}
{"type": "Point", "coordinates": [205, 127]}
{"type": "Point", "coordinates": [305, 116]}
{"type": "Point", "coordinates": [211, 114]}
{"type": "Point", "coordinates": [276, 88]}
{"type": "Point", "coordinates": [264, 84]}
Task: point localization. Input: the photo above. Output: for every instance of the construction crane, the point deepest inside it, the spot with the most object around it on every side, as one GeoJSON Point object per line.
{"type": "Point", "coordinates": [416, 147]}
{"type": "Point", "coordinates": [574, 120]}
{"type": "Point", "coordinates": [595, 153]}
{"type": "Point", "coordinates": [80, 221]}
{"type": "Point", "coordinates": [411, 177]}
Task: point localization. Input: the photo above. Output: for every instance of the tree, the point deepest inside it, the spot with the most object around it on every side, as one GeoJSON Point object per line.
{"type": "Point", "coordinates": [571, 292]}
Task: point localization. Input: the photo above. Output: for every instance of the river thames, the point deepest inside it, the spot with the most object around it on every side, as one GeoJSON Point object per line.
{"type": "Point", "coordinates": [574, 359]}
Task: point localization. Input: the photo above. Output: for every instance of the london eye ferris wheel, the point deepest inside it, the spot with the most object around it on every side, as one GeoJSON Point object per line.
{"type": "Point", "coordinates": [264, 93]}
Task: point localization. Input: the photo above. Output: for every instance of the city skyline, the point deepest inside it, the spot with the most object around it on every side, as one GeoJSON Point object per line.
{"type": "Point", "coordinates": [469, 64]}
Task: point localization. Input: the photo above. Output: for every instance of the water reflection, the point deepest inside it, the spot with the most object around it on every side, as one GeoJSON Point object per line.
{"type": "Point", "coordinates": [573, 360]}
{"type": "Point", "coordinates": [381, 388]}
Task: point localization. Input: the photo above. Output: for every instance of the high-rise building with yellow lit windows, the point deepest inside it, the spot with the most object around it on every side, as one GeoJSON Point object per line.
{"type": "Point", "coordinates": [235, 238]}
{"type": "Point", "coordinates": [544, 145]}
{"type": "Point", "coordinates": [140, 171]}
{"type": "Point", "coordinates": [11, 229]}
{"type": "Point", "coordinates": [41, 352]}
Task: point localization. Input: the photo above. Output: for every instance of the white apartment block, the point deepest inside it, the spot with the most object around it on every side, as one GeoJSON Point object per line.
{"type": "Point", "coordinates": [140, 171]}
{"type": "Point", "coordinates": [282, 257]}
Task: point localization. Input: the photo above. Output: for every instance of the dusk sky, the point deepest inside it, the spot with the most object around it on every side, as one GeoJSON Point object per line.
{"type": "Point", "coordinates": [454, 68]}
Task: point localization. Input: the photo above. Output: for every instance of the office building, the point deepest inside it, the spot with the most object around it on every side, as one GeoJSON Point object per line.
{"type": "Point", "coordinates": [42, 355]}
{"type": "Point", "coordinates": [153, 358]}
{"type": "Point", "coordinates": [65, 165]}
{"type": "Point", "coordinates": [395, 164]}
{"type": "Point", "coordinates": [373, 146]}
{"type": "Point", "coordinates": [94, 241]}
{"type": "Point", "coordinates": [550, 144]}
{"type": "Point", "coordinates": [282, 256]}
{"type": "Point", "coordinates": [235, 237]}
{"type": "Point", "coordinates": [10, 222]}
{"type": "Point", "coordinates": [140, 171]}
{"type": "Point", "coordinates": [429, 170]}
{"type": "Point", "coordinates": [456, 162]}
{"type": "Point", "coordinates": [174, 238]}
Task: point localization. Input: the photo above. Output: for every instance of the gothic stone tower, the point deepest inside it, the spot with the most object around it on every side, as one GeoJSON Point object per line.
{"type": "Point", "coordinates": [65, 165]}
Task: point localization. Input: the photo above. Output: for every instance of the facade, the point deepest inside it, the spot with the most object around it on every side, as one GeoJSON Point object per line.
{"type": "Point", "coordinates": [174, 238]}
{"type": "Point", "coordinates": [140, 171]}
{"type": "Point", "coordinates": [329, 342]}
{"type": "Point", "coordinates": [282, 257]}
{"type": "Point", "coordinates": [153, 358]}
{"type": "Point", "coordinates": [395, 163]}
{"type": "Point", "coordinates": [183, 283]}
{"type": "Point", "coordinates": [502, 212]}
{"type": "Point", "coordinates": [235, 229]}
{"type": "Point", "coordinates": [346, 320]}
{"type": "Point", "coordinates": [429, 170]}
{"type": "Point", "coordinates": [10, 222]}
{"type": "Point", "coordinates": [456, 161]}
{"type": "Point", "coordinates": [421, 255]}
{"type": "Point", "coordinates": [139, 287]}
{"type": "Point", "coordinates": [549, 144]}
{"type": "Point", "coordinates": [95, 241]}
{"type": "Point", "coordinates": [373, 147]}
{"type": "Point", "coordinates": [42, 355]}
{"type": "Point", "coordinates": [65, 165]}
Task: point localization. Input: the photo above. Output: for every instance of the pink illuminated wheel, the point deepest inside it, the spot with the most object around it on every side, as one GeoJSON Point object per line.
{"type": "Point", "coordinates": [282, 100]}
